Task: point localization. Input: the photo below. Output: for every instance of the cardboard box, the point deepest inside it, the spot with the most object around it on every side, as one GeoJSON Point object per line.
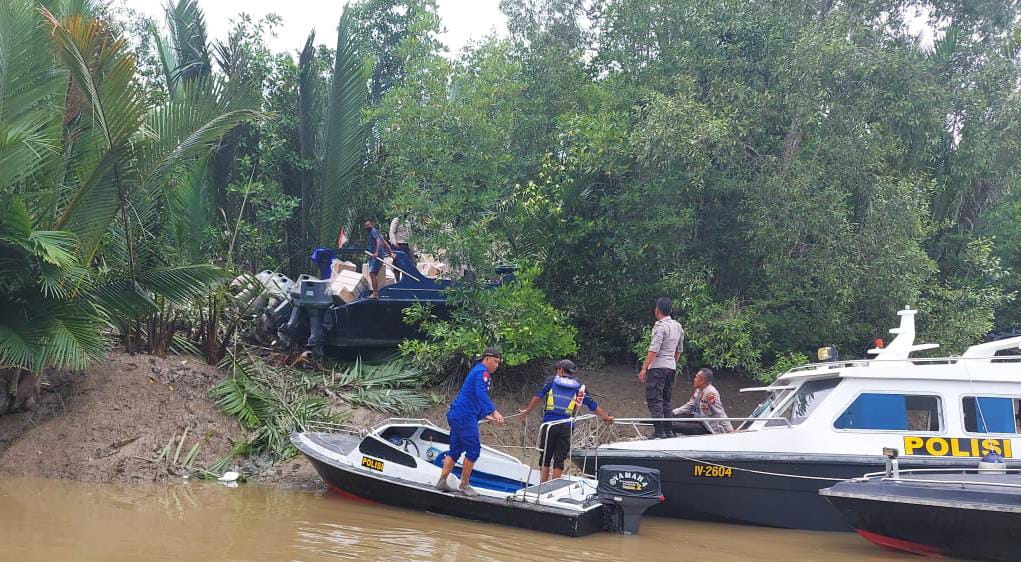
{"type": "Point", "coordinates": [347, 286]}
{"type": "Point", "coordinates": [429, 269]}
{"type": "Point", "coordinates": [341, 265]}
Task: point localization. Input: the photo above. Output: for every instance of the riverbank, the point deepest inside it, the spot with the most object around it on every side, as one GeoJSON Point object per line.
{"type": "Point", "coordinates": [137, 418]}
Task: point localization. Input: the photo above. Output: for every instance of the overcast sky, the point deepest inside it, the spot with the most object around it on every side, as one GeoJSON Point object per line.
{"type": "Point", "coordinates": [465, 20]}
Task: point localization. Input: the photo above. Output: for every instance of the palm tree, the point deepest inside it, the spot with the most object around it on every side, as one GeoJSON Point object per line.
{"type": "Point", "coordinates": [342, 148]}
{"type": "Point", "coordinates": [87, 164]}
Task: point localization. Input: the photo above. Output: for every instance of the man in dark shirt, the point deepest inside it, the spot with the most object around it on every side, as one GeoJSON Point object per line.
{"type": "Point", "coordinates": [379, 249]}
{"type": "Point", "coordinates": [563, 395]}
{"type": "Point", "coordinates": [471, 405]}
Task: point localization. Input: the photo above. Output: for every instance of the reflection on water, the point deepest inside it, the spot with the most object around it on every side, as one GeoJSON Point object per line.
{"type": "Point", "coordinates": [44, 520]}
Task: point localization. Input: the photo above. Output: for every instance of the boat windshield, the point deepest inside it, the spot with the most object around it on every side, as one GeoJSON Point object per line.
{"type": "Point", "coordinates": [767, 405]}
{"type": "Point", "coordinates": [806, 399]}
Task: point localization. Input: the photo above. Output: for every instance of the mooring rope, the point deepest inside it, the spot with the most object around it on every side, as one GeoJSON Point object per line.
{"type": "Point", "coordinates": [754, 471]}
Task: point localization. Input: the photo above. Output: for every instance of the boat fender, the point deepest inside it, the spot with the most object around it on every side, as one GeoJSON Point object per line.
{"type": "Point", "coordinates": [431, 453]}
{"type": "Point", "coordinates": [992, 464]}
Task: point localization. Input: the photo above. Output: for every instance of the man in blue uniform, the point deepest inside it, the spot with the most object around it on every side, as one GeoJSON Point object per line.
{"type": "Point", "coordinates": [471, 405]}
{"type": "Point", "coordinates": [563, 396]}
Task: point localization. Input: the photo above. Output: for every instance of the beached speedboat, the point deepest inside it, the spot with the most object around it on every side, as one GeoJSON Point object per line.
{"type": "Point", "coordinates": [822, 423]}
{"type": "Point", "coordinates": [967, 513]}
{"type": "Point", "coordinates": [398, 462]}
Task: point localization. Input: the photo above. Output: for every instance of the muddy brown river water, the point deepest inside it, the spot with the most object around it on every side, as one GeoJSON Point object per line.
{"type": "Point", "coordinates": [51, 520]}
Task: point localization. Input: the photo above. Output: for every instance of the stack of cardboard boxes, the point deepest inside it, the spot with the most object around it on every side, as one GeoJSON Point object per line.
{"type": "Point", "coordinates": [430, 266]}
{"type": "Point", "coordinates": [347, 284]}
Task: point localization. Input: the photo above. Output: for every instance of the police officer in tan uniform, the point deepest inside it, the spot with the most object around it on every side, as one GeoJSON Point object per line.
{"type": "Point", "coordinates": [660, 365]}
{"type": "Point", "coordinates": [705, 402]}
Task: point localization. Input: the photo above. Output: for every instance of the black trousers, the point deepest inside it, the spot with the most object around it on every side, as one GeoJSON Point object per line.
{"type": "Point", "coordinates": [555, 444]}
{"type": "Point", "coordinates": [659, 385]}
{"type": "Point", "coordinates": [692, 427]}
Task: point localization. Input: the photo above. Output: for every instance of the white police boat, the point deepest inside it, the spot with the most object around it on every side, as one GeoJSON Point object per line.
{"type": "Point", "coordinates": [398, 462]}
{"type": "Point", "coordinates": [822, 423]}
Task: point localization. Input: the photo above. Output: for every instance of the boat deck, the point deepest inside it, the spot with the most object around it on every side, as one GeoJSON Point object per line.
{"type": "Point", "coordinates": [991, 492]}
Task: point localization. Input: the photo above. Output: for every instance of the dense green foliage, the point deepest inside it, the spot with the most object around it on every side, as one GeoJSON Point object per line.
{"type": "Point", "coordinates": [792, 173]}
{"type": "Point", "coordinates": [515, 317]}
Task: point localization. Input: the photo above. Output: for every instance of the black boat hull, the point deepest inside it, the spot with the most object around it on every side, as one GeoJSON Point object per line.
{"type": "Point", "coordinates": [771, 490]}
{"type": "Point", "coordinates": [538, 518]}
{"type": "Point", "coordinates": [928, 529]}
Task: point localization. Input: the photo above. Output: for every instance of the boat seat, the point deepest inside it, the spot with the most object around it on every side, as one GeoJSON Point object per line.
{"type": "Point", "coordinates": [485, 480]}
{"type": "Point", "coordinates": [547, 486]}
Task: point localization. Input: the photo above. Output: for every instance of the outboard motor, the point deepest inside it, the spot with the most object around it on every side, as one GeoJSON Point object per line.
{"type": "Point", "coordinates": [314, 298]}
{"type": "Point", "coordinates": [627, 491]}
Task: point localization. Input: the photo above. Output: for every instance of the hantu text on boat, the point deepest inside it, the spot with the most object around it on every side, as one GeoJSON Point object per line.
{"type": "Point", "coordinates": [822, 423]}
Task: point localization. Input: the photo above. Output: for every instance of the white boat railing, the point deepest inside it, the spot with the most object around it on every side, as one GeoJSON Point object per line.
{"type": "Point", "coordinates": [914, 360]}
{"type": "Point", "coordinates": [944, 470]}
{"type": "Point", "coordinates": [648, 421]}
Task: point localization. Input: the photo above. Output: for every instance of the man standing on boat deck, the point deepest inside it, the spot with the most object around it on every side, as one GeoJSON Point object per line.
{"type": "Point", "coordinates": [563, 395]}
{"type": "Point", "coordinates": [400, 234]}
{"type": "Point", "coordinates": [379, 248]}
{"type": "Point", "coordinates": [471, 405]}
{"type": "Point", "coordinates": [660, 365]}
{"type": "Point", "coordinates": [705, 402]}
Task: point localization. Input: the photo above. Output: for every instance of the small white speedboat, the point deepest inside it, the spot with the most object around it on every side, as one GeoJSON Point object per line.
{"type": "Point", "coordinates": [398, 462]}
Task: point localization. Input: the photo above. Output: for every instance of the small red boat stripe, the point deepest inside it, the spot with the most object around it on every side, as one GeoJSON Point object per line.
{"type": "Point", "coordinates": [899, 544]}
{"type": "Point", "coordinates": [349, 495]}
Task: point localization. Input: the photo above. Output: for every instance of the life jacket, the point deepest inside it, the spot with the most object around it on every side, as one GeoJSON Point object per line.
{"type": "Point", "coordinates": [562, 396]}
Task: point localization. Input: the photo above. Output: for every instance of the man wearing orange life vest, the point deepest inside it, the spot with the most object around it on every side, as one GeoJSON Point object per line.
{"type": "Point", "coordinates": [563, 395]}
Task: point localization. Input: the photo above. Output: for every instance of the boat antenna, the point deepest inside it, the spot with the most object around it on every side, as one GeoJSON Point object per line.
{"type": "Point", "coordinates": [903, 344]}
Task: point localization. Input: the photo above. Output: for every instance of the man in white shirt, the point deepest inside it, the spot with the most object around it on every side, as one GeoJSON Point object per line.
{"type": "Point", "coordinates": [400, 233]}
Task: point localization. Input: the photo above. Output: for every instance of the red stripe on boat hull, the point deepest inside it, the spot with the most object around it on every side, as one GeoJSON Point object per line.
{"type": "Point", "coordinates": [900, 544]}
{"type": "Point", "coordinates": [349, 495]}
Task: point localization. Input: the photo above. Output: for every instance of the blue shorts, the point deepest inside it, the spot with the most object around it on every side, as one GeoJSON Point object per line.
{"type": "Point", "coordinates": [374, 265]}
{"type": "Point", "coordinates": [464, 438]}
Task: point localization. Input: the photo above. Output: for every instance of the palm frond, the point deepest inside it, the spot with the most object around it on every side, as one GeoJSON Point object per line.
{"type": "Point", "coordinates": [188, 32]}
{"type": "Point", "coordinates": [343, 145]}
{"type": "Point", "coordinates": [190, 208]}
{"type": "Point", "coordinates": [387, 375]}
{"type": "Point", "coordinates": [15, 350]}
{"type": "Point", "coordinates": [168, 62]}
{"type": "Point", "coordinates": [391, 401]}
{"type": "Point", "coordinates": [182, 283]}
{"type": "Point", "coordinates": [103, 70]}
{"type": "Point", "coordinates": [72, 340]}
{"type": "Point", "coordinates": [308, 123]}
{"type": "Point", "coordinates": [31, 91]}
{"type": "Point", "coordinates": [134, 297]}
{"type": "Point", "coordinates": [240, 396]}
{"type": "Point", "coordinates": [188, 126]}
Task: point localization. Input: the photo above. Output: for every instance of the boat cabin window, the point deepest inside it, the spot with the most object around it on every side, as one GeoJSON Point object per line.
{"type": "Point", "coordinates": [806, 399]}
{"type": "Point", "coordinates": [991, 414]}
{"type": "Point", "coordinates": [896, 412]}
